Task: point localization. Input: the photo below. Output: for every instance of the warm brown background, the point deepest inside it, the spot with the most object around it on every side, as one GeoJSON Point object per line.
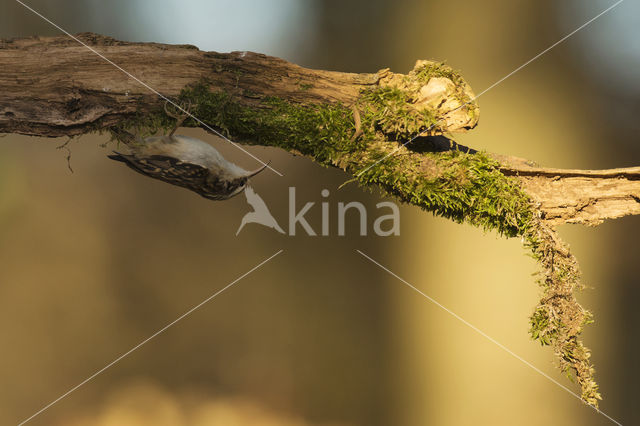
{"type": "Point", "coordinates": [93, 262]}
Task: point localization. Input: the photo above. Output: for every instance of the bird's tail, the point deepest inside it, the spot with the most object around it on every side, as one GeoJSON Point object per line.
{"type": "Point", "coordinates": [118, 157]}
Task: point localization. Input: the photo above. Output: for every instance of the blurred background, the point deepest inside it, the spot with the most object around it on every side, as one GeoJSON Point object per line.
{"type": "Point", "coordinates": [95, 261]}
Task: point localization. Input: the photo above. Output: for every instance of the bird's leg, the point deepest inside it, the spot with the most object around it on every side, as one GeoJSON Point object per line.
{"type": "Point", "coordinates": [180, 117]}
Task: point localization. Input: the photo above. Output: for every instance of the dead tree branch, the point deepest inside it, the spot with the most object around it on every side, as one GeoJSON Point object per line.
{"type": "Point", "coordinates": [55, 87]}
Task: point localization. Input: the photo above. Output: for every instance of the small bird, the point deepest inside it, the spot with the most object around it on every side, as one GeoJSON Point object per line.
{"type": "Point", "coordinates": [260, 213]}
{"type": "Point", "coordinates": [184, 161]}
{"type": "Point", "coordinates": [187, 162]}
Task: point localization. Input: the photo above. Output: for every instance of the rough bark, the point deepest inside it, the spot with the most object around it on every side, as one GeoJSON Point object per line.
{"type": "Point", "coordinates": [54, 87]}
{"type": "Point", "coordinates": [578, 196]}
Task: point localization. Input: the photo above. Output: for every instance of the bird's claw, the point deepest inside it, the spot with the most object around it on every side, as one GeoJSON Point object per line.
{"type": "Point", "coordinates": [182, 112]}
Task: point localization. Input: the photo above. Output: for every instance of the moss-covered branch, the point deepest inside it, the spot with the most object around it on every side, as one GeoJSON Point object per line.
{"type": "Point", "coordinates": [471, 188]}
{"type": "Point", "coordinates": [356, 122]}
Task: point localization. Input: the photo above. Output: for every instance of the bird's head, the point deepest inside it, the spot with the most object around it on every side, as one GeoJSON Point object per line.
{"type": "Point", "coordinates": [223, 188]}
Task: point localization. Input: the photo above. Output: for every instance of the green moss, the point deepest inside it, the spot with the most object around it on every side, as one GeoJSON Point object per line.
{"type": "Point", "coordinates": [390, 110]}
{"type": "Point", "coordinates": [543, 329]}
{"type": "Point", "coordinates": [145, 125]}
{"type": "Point", "coordinates": [322, 132]}
{"type": "Point", "coordinates": [429, 70]}
{"type": "Point", "coordinates": [462, 187]}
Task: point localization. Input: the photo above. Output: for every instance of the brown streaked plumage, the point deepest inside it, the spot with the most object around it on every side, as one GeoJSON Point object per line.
{"type": "Point", "coordinates": [187, 162]}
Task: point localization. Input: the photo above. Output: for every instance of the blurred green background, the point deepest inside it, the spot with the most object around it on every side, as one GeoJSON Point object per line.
{"type": "Point", "coordinates": [93, 262]}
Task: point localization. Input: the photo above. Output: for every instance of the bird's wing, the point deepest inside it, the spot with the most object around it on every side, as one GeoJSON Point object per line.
{"type": "Point", "coordinates": [164, 168]}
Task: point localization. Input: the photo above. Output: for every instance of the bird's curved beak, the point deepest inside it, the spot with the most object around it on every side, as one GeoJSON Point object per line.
{"type": "Point", "coordinates": [255, 172]}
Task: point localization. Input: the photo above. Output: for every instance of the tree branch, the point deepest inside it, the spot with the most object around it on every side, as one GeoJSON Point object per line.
{"type": "Point", "coordinates": [585, 197]}
{"type": "Point", "coordinates": [56, 87]}
{"type": "Point", "coordinates": [358, 122]}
